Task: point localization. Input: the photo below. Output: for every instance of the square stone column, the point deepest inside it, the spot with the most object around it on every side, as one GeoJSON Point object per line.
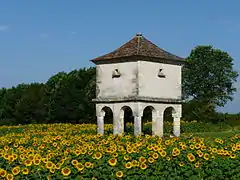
{"type": "Point", "coordinates": [137, 125]}
{"type": "Point", "coordinates": [100, 125]}
{"type": "Point", "coordinates": [158, 129]}
{"type": "Point", "coordinates": [176, 126]}
{"type": "Point", "coordinates": [121, 124]}
{"type": "Point", "coordinates": [118, 125]}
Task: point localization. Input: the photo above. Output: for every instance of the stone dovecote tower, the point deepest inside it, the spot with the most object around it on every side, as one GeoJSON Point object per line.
{"type": "Point", "coordinates": [135, 76]}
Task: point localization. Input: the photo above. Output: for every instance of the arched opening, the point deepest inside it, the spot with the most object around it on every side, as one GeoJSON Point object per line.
{"type": "Point", "coordinates": [108, 119]}
{"type": "Point", "coordinates": [168, 120]}
{"type": "Point", "coordinates": [147, 120]}
{"type": "Point", "coordinates": [128, 119]}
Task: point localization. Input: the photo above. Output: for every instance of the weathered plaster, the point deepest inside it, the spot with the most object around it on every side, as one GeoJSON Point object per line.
{"type": "Point", "coordinates": [138, 87]}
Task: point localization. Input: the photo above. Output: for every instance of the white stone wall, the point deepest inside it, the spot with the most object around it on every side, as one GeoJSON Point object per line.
{"type": "Point", "coordinates": [116, 87]}
{"type": "Point", "coordinates": [152, 85]}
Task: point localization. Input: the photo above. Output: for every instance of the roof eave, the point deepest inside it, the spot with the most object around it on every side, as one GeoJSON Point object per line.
{"type": "Point", "coordinates": [139, 58]}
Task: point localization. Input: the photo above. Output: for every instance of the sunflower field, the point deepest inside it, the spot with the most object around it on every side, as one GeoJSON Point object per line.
{"type": "Point", "coordinates": [66, 151]}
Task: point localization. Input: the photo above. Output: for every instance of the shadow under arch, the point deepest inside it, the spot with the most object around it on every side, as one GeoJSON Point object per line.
{"type": "Point", "coordinates": [168, 120]}
{"type": "Point", "coordinates": [108, 119]}
{"type": "Point", "coordinates": [147, 119]}
{"type": "Point", "coordinates": [128, 119]}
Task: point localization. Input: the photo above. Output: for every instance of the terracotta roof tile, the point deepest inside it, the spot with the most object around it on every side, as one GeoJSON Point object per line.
{"type": "Point", "coordinates": [138, 46]}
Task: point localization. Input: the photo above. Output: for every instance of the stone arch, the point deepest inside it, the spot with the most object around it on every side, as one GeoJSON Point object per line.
{"type": "Point", "coordinates": [105, 116]}
{"type": "Point", "coordinates": [168, 119]}
{"type": "Point", "coordinates": [149, 116]}
{"type": "Point", "coordinates": [126, 114]}
{"type": "Point", "coordinates": [107, 113]}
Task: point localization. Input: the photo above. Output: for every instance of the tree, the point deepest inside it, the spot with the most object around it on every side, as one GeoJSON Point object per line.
{"type": "Point", "coordinates": [209, 76]}
{"type": "Point", "coordinates": [29, 108]}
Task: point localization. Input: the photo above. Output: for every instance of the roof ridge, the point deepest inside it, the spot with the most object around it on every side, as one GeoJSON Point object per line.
{"type": "Point", "coordinates": [138, 35]}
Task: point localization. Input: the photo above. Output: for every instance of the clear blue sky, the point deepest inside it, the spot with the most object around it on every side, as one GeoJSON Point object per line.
{"type": "Point", "coordinates": [41, 38]}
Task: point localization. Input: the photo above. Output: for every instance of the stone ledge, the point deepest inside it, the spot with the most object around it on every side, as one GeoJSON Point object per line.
{"type": "Point", "coordinates": [137, 99]}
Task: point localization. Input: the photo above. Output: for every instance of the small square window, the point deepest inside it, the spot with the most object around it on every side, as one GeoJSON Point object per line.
{"type": "Point", "coordinates": [161, 73]}
{"type": "Point", "coordinates": [116, 74]}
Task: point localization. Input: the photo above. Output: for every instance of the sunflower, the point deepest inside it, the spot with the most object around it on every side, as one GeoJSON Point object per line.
{"type": "Point", "coordinates": [9, 177]}
{"type": "Point", "coordinates": [36, 161]}
{"type": "Point", "coordinates": [98, 155]}
{"type": "Point", "coordinates": [126, 157]}
{"type": "Point", "coordinates": [163, 153]}
{"type": "Point", "coordinates": [203, 148]}
{"type": "Point", "coordinates": [197, 164]}
{"type": "Point", "coordinates": [135, 163]}
{"type": "Point", "coordinates": [52, 170]}
{"type": "Point", "coordinates": [80, 166]}
{"type": "Point", "coordinates": [206, 156]}
{"type": "Point", "coordinates": [15, 156]}
{"type": "Point", "coordinates": [181, 164]}
{"type": "Point", "coordinates": [77, 152]}
{"type": "Point", "coordinates": [66, 171]}
{"type": "Point", "coordinates": [155, 156]}
{"type": "Point", "coordinates": [58, 166]}
{"type": "Point", "coordinates": [234, 148]}
{"type": "Point", "coordinates": [16, 170]}
{"type": "Point", "coordinates": [129, 150]}
{"type": "Point", "coordinates": [191, 157]}
{"type": "Point", "coordinates": [168, 158]}
{"type": "Point", "coordinates": [119, 174]}
{"type": "Point", "coordinates": [191, 146]}
{"type": "Point", "coordinates": [149, 147]}
{"type": "Point", "coordinates": [74, 162]}
{"type": "Point", "coordinates": [115, 154]}
{"type": "Point", "coordinates": [151, 160]}
{"type": "Point", "coordinates": [167, 142]}
{"type": "Point", "coordinates": [3, 173]}
{"type": "Point", "coordinates": [233, 156]}
{"type": "Point", "coordinates": [49, 165]}
{"type": "Point", "coordinates": [143, 166]}
{"type": "Point", "coordinates": [28, 162]}
{"type": "Point", "coordinates": [128, 165]}
{"type": "Point", "coordinates": [214, 150]}
{"type": "Point", "coordinates": [142, 159]}
{"type": "Point", "coordinates": [25, 171]}
{"type": "Point", "coordinates": [88, 164]}
{"type": "Point", "coordinates": [112, 161]}
{"type": "Point", "coordinates": [200, 154]}
{"type": "Point", "coordinates": [197, 146]}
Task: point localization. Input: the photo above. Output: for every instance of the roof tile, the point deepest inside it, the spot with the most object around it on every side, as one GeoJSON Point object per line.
{"type": "Point", "coordinates": [138, 46]}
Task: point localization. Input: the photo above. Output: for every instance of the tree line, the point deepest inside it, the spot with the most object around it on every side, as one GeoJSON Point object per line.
{"type": "Point", "coordinates": [208, 82]}
{"type": "Point", "coordinates": [65, 97]}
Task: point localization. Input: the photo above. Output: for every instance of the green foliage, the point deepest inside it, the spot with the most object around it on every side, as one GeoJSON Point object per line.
{"type": "Point", "coordinates": [199, 111]}
{"type": "Point", "coordinates": [209, 76]}
{"type": "Point", "coordinates": [66, 97]}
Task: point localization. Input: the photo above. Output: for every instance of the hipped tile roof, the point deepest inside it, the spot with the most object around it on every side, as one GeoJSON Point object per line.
{"type": "Point", "coordinates": [138, 46]}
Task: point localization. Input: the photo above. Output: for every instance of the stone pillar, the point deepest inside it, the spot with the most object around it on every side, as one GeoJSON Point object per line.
{"type": "Point", "coordinates": [115, 125]}
{"type": "Point", "coordinates": [137, 125]}
{"type": "Point", "coordinates": [118, 126]}
{"type": "Point", "coordinates": [176, 126]}
{"type": "Point", "coordinates": [100, 124]}
{"type": "Point", "coordinates": [121, 124]}
{"type": "Point", "coordinates": [158, 129]}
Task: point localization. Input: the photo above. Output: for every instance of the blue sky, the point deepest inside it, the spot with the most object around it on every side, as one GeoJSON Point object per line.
{"type": "Point", "coordinates": [41, 38]}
